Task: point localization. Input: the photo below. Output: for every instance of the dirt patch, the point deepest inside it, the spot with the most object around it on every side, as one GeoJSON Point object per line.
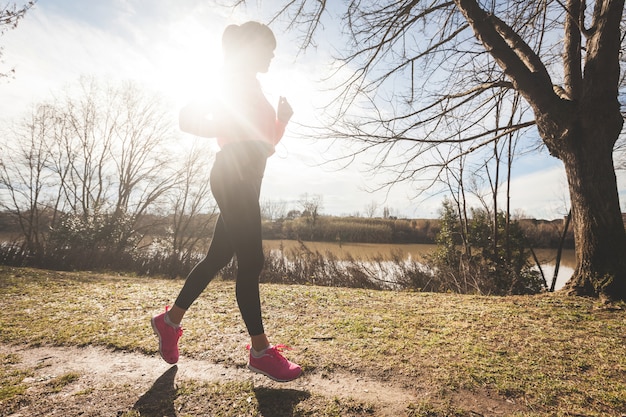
{"type": "Point", "coordinates": [110, 382]}
{"type": "Point", "coordinates": [101, 370]}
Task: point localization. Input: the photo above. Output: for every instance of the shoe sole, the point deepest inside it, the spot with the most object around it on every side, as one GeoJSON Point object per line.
{"type": "Point", "coordinates": [258, 371]}
{"type": "Point", "coordinates": [156, 331]}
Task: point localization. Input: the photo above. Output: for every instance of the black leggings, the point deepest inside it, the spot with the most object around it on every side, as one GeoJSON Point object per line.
{"type": "Point", "coordinates": [236, 184]}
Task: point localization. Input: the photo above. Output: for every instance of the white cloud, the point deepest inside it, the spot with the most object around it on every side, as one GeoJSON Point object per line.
{"type": "Point", "coordinates": [50, 52]}
{"type": "Point", "coordinates": [542, 193]}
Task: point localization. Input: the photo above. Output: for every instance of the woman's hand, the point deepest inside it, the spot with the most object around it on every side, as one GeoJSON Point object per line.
{"type": "Point", "coordinates": [284, 111]}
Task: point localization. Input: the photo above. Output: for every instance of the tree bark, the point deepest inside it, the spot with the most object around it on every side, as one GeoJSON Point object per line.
{"type": "Point", "coordinates": [587, 153]}
{"type": "Point", "coordinates": [596, 215]}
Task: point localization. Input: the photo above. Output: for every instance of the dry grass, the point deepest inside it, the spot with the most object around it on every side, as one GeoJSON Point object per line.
{"type": "Point", "coordinates": [554, 355]}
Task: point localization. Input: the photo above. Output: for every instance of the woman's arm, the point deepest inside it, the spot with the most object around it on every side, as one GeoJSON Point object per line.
{"type": "Point", "coordinates": [196, 119]}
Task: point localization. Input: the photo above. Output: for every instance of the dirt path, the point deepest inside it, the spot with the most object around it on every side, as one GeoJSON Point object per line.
{"type": "Point", "coordinates": [113, 382]}
{"type": "Point", "coordinates": [100, 368]}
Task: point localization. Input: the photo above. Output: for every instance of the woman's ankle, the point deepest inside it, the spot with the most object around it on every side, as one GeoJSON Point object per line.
{"type": "Point", "coordinates": [259, 342]}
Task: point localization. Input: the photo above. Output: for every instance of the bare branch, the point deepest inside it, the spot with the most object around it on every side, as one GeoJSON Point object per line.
{"type": "Point", "coordinates": [513, 55]}
{"type": "Point", "coordinates": [10, 16]}
{"type": "Point", "coordinates": [572, 51]}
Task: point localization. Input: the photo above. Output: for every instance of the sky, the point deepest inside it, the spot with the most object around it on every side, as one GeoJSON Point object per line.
{"type": "Point", "coordinates": [173, 47]}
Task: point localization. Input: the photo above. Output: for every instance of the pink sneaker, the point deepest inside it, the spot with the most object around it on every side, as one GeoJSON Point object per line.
{"type": "Point", "coordinates": [168, 337]}
{"type": "Point", "coordinates": [274, 365]}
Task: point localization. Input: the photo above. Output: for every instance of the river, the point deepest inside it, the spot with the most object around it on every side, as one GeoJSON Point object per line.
{"type": "Point", "coordinates": [368, 250]}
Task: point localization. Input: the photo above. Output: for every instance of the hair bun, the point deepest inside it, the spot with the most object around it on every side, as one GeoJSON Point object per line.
{"type": "Point", "coordinates": [230, 36]}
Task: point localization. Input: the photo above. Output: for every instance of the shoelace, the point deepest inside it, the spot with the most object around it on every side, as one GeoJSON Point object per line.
{"type": "Point", "coordinates": [281, 347]}
{"type": "Point", "coordinates": [275, 351]}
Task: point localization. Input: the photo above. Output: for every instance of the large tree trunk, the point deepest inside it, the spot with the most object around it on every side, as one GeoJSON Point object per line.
{"type": "Point", "coordinates": [587, 153]}
{"type": "Point", "coordinates": [582, 134]}
{"type": "Point", "coordinates": [597, 220]}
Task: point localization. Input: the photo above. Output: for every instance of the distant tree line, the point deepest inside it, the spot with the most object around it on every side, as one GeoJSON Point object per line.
{"type": "Point", "coordinates": [352, 229]}
{"type": "Point", "coordinates": [538, 234]}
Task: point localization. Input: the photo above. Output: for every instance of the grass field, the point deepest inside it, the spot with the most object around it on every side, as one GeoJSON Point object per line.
{"type": "Point", "coordinates": [545, 355]}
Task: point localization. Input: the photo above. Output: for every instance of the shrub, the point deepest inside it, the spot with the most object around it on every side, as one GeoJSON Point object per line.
{"type": "Point", "coordinates": [489, 263]}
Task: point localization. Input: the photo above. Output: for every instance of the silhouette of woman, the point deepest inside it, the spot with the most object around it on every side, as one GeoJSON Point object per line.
{"type": "Point", "coordinates": [247, 129]}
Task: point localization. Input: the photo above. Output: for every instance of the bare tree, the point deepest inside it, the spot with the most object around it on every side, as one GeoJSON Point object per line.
{"type": "Point", "coordinates": [192, 207]}
{"type": "Point", "coordinates": [10, 15]}
{"type": "Point", "coordinates": [85, 146]}
{"type": "Point", "coordinates": [311, 207]}
{"type": "Point", "coordinates": [116, 151]}
{"type": "Point", "coordinates": [414, 66]}
{"type": "Point", "coordinates": [371, 209]}
{"type": "Point", "coordinates": [143, 167]}
{"type": "Point", "coordinates": [273, 210]}
{"type": "Point", "coordinates": [25, 180]}
{"type": "Point", "coordinates": [94, 162]}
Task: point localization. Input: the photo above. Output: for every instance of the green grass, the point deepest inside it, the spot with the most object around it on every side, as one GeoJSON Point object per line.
{"type": "Point", "coordinates": [58, 383]}
{"type": "Point", "coordinates": [12, 386]}
{"type": "Point", "coordinates": [554, 355]}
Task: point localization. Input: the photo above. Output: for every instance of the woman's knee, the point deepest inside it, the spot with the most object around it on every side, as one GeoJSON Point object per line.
{"type": "Point", "coordinates": [252, 265]}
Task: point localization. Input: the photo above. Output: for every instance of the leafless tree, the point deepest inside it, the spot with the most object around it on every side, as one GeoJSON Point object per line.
{"type": "Point", "coordinates": [110, 155]}
{"type": "Point", "coordinates": [311, 204]}
{"type": "Point", "coordinates": [96, 160]}
{"type": "Point", "coordinates": [191, 205]}
{"type": "Point", "coordinates": [311, 209]}
{"type": "Point", "coordinates": [85, 145]}
{"type": "Point", "coordinates": [371, 209]}
{"type": "Point", "coordinates": [410, 67]}
{"type": "Point", "coordinates": [144, 169]}
{"type": "Point", "coordinates": [273, 210]}
{"type": "Point", "coordinates": [25, 180]}
{"type": "Point", "coordinates": [10, 15]}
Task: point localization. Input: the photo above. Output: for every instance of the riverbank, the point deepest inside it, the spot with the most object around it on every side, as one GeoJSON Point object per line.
{"type": "Point", "coordinates": [367, 251]}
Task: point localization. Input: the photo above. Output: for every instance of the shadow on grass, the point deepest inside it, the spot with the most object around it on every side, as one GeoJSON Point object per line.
{"type": "Point", "coordinates": [279, 402]}
{"type": "Point", "coordinates": [159, 399]}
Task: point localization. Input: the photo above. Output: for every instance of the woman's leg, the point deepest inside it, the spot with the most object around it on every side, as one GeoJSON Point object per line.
{"type": "Point", "coordinates": [242, 220]}
{"type": "Point", "coordinates": [219, 254]}
{"type": "Point", "coordinates": [236, 185]}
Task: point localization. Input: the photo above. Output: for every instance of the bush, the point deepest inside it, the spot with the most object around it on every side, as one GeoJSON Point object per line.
{"type": "Point", "coordinates": [489, 263]}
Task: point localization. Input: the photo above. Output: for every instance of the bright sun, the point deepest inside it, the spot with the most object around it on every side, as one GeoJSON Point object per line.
{"type": "Point", "coordinates": [189, 64]}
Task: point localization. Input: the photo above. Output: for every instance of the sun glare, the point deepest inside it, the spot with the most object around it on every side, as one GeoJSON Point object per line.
{"type": "Point", "coordinates": [188, 67]}
{"type": "Point", "coordinates": [190, 62]}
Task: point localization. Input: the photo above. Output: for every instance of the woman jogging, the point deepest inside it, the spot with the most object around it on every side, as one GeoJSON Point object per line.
{"type": "Point", "coordinates": [247, 128]}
